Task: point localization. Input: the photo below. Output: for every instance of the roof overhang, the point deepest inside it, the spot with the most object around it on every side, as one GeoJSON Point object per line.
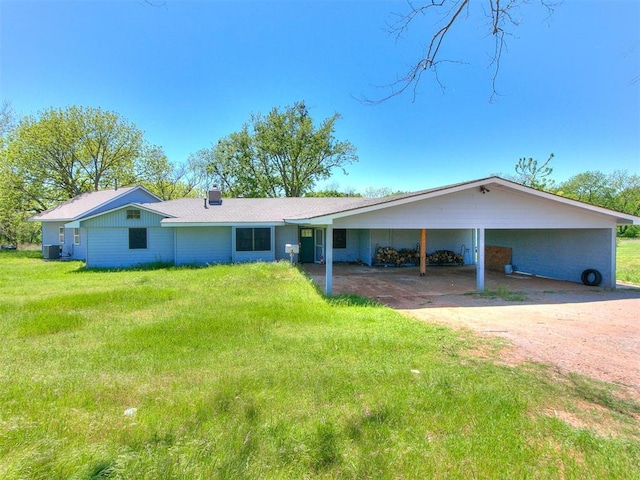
{"type": "Point", "coordinates": [621, 218]}
{"type": "Point", "coordinates": [179, 224]}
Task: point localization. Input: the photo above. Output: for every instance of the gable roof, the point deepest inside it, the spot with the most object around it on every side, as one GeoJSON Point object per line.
{"type": "Point", "coordinates": [86, 204]}
{"type": "Point", "coordinates": [488, 183]}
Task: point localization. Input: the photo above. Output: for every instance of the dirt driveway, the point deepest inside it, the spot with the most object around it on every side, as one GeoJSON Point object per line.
{"type": "Point", "coordinates": [587, 330]}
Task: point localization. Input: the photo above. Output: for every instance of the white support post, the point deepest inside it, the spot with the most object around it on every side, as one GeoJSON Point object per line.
{"type": "Point", "coordinates": [480, 264]}
{"type": "Point", "coordinates": [328, 257]}
{"type": "Point", "coordinates": [614, 246]}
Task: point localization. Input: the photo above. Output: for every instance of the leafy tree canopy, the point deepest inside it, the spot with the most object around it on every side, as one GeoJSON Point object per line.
{"type": "Point", "coordinates": [280, 154]}
{"type": "Point", "coordinates": [65, 152]}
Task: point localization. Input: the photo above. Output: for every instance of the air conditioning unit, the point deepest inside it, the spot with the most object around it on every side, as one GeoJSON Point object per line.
{"type": "Point", "coordinates": [51, 252]}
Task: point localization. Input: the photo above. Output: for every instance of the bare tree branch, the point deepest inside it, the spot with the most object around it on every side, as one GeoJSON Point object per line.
{"type": "Point", "coordinates": [448, 13]}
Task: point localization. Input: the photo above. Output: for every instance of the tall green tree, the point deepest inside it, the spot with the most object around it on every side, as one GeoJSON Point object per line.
{"type": "Point", "coordinates": [280, 154]}
{"type": "Point", "coordinates": [64, 152]}
{"type": "Point", "coordinates": [169, 181]}
{"type": "Point", "coordinates": [618, 191]}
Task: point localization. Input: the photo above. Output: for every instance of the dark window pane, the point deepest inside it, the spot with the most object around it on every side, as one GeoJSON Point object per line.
{"type": "Point", "coordinates": [340, 238]}
{"type": "Point", "coordinates": [244, 239]}
{"type": "Point", "coordinates": [137, 238]}
{"type": "Point", "coordinates": [261, 239]}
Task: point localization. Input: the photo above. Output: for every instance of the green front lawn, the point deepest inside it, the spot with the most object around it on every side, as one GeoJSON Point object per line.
{"type": "Point", "coordinates": [248, 372]}
{"type": "Point", "coordinates": [628, 261]}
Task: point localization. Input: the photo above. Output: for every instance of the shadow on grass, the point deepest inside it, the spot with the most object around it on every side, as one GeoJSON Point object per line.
{"type": "Point", "coordinates": [20, 253]}
{"type": "Point", "coordinates": [343, 300]}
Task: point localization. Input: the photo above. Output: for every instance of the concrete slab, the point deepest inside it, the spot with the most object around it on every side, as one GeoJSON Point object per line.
{"type": "Point", "coordinates": [403, 287]}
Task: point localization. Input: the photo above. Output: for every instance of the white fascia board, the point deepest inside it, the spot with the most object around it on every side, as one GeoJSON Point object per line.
{"type": "Point", "coordinates": [306, 221]}
{"type": "Point", "coordinates": [221, 224]}
{"type": "Point", "coordinates": [122, 207]}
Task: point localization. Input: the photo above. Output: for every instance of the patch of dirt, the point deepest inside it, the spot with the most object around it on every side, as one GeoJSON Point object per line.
{"type": "Point", "coordinates": [596, 334]}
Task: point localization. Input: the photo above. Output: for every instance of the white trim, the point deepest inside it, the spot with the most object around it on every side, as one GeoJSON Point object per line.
{"type": "Point", "coordinates": [222, 224]}
{"type": "Point", "coordinates": [121, 207]}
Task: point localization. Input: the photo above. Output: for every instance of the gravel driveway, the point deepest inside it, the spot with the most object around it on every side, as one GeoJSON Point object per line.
{"type": "Point", "coordinates": [587, 330]}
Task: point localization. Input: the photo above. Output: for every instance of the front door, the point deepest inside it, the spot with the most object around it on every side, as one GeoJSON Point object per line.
{"type": "Point", "coordinates": [306, 245]}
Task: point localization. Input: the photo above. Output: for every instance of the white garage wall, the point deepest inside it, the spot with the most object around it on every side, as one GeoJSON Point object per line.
{"type": "Point", "coordinates": [444, 239]}
{"type": "Point", "coordinates": [559, 254]}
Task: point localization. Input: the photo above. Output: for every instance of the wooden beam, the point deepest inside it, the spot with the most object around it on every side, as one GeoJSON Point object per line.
{"type": "Point", "coordinates": [423, 252]}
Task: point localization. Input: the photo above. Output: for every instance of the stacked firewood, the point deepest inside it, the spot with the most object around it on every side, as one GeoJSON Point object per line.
{"type": "Point", "coordinates": [407, 256]}
{"type": "Point", "coordinates": [391, 256]}
{"type": "Point", "coordinates": [445, 257]}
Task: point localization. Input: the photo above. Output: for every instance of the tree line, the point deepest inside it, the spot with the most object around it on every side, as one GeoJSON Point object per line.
{"type": "Point", "coordinates": [48, 158]}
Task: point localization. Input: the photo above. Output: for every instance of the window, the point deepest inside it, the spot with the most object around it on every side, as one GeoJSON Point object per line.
{"type": "Point", "coordinates": [253, 239]}
{"type": "Point", "coordinates": [133, 214]}
{"type": "Point", "coordinates": [61, 235]}
{"type": "Point", "coordinates": [340, 238]}
{"type": "Point", "coordinates": [137, 238]}
{"type": "Point", "coordinates": [76, 236]}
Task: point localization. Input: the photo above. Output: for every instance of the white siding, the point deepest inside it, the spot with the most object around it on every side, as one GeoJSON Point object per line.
{"type": "Point", "coordinates": [202, 245]}
{"type": "Point", "coordinates": [560, 254]}
{"type": "Point", "coordinates": [366, 250]}
{"type": "Point", "coordinates": [109, 247]}
{"type": "Point", "coordinates": [352, 252]}
{"type": "Point", "coordinates": [284, 235]}
{"type": "Point", "coordinates": [118, 218]}
{"type": "Point", "coordinates": [500, 208]}
{"type": "Point", "coordinates": [50, 233]}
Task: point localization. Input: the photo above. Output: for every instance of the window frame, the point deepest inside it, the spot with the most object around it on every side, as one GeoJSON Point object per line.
{"type": "Point", "coordinates": [135, 243]}
{"type": "Point", "coordinates": [247, 241]}
{"type": "Point", "coordinates": [340, 238]}
{"type": "Point", "coordinates": [133, 214]}
{"type": "Point", "coordinates": [76, 236]}
{"type": "Point", "coordinates": [61, 235]}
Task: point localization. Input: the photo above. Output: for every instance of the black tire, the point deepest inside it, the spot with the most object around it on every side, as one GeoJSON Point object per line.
{"type": "Point", "coordinates": [591, 277]}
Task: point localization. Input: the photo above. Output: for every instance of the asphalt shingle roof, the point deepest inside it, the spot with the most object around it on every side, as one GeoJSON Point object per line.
{"type": "Point", "coordinates": [258, 210]}
{"type": "Point", "coordinates": [82, 204]}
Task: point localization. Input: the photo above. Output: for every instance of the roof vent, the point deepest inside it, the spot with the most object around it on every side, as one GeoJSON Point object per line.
{"type": "Point", "coordinates": [215, 196]}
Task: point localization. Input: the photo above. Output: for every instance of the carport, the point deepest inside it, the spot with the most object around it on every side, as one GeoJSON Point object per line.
{"type": "Point", "coordinates": [547, 235]}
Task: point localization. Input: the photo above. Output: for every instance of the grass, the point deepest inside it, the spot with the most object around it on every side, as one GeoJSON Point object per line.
{"type": "Point", "coordinates": [628, 261]}
{"type": "Point", "coordinates": [501, 292]}
{"type": "Point", "coordinates": [248, 372]}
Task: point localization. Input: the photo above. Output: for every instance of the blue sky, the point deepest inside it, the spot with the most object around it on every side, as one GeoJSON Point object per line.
{"type": "Point", "coordinates": [191, 72]}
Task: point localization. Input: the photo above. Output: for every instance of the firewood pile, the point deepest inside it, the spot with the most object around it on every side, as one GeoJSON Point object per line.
{"type": "Point", "coordinates": [445, 257]}
{"type": "Point", "coordinates": [391, 257]}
